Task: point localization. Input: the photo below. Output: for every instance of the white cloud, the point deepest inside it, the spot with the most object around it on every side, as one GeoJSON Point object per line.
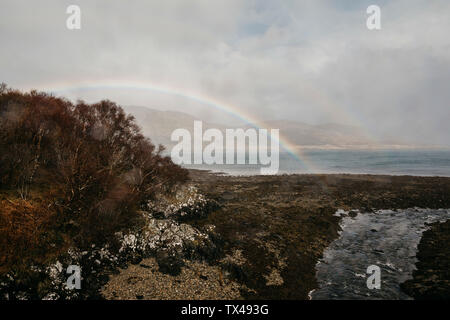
{"type": "Point", "coordinates": [311, 61]}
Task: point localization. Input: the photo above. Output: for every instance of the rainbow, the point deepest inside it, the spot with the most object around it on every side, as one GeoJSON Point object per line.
{"type": "Point", "coordinates": [59, 88]}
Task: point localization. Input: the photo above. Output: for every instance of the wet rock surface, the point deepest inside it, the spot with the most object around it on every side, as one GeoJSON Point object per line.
{"type": "Point", "coordinates": [431, 280]}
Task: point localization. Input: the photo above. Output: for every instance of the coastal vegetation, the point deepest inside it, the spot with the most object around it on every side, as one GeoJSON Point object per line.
{"type": "Point", "coordinates": [72, 175]}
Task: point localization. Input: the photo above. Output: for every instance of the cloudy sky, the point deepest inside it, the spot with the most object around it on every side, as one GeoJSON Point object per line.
{"type": "Point", "coordinates": [311, 61]}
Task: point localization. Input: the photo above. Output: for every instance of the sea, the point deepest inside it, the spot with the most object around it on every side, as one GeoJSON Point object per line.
{"type": "Point", "coordinates": [383, 162]}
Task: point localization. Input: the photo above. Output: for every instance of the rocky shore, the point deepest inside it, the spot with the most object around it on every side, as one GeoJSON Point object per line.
{"type": "Point", "coordinates": [431, 280]}
{"type": "Point", "coordinates": [269, 232]}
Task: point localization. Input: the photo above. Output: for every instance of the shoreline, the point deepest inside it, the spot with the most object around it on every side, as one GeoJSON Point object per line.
{"type": "Point", "coordinates": [431, 280]}
{"type": "Point", "coordinates": [274, 229]}
{"type": "Point", "coordinates": [330, 173]}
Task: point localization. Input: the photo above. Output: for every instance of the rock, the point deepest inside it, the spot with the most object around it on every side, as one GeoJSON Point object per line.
{"type": "Point", "coordinates": [136, 259]}
{"type": "Point", "coordinates": [171, 236]}
{"type": "Point", "coordinates": [353, 213]}
{"type": "Point", "coordinates": [187, 204]}
{"type": "Point", "coordinates": [170, 264]}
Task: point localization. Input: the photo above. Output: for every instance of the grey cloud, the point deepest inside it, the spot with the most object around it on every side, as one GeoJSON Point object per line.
{"type": "Point", "coordinates": [310, 61]}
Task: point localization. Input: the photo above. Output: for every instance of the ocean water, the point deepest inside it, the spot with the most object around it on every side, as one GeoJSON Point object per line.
{"type": "Point", "coordinates": [391, 162]}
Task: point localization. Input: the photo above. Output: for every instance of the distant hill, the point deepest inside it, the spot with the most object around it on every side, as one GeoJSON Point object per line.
{"type": "Point", "coordinates": [158, 125]}
{"type": "Point", "coordinates": [330, 134]}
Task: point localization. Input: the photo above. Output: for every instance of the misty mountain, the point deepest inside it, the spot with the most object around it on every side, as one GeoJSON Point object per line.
{"type": "Point", "coordinates": [159, 125]}
{"type": "Point", "coordinates": [328, 134]}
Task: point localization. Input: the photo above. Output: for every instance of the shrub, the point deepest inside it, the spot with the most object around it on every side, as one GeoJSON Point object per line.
{"type": "Point", "coordinates": [72, 174]}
